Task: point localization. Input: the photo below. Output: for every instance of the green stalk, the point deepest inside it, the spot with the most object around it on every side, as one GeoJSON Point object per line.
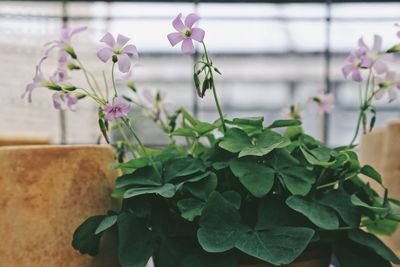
{"type": "Point", "coordinates": [113, 79]}
{"type": "Point", "coordinates": [121, 130]}
{"type": "Point", "coordinates": [214, 89]}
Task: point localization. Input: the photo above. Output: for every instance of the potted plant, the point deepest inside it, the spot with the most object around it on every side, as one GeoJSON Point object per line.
{"type": "Point", "coordinates": [238, 193]}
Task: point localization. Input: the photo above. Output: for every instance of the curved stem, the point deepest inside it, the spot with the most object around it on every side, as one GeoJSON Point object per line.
{"type": "Point", "coordinates": [214, 89]}
{"type": "Point", "coordinates": [87, 77]}
{"type": "Point", "coordinates": [121, 130]}
{"type": "Point", "coordinates": [113, 79]}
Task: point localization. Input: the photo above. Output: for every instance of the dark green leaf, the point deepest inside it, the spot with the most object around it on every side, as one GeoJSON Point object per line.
{"type": "Point", "coordinates": [233, 197]}
{"type": "Point", "coordinates": [84, 239]}
{"type": "Point", "coordinates": [203, 259]}
{"type": "Point", "coordinates": [190, 208]}
{"type": "Point", "coordinates": [146, 176]}
{"type": "Point", "coordinates": [181, 167]}
{"type": "Point", "coordinates": [203, 188]}
{"type": "Point", "coordinates": [265, 143]}
{"type": "Point", "coordinates": [359, 203]}
{"type": "Point", "coordinates": [166, 190]}
{"type": "Point", "coordinates": [278, 246]}
{"type": "Point", "coordinates": [187, 132]}
{"type": "Point", "coordinates": [322, 216]}
{"type": "Point", "coordinates": [372, 173]}
{"type": "Point", "coordinates": [135, 241]}
{"type": "Point", "coordinates": [340, 201]}
{"type": "Point", "coordinates": [374, 243]}
{"type": "Point", "coordinates": [255, 177]}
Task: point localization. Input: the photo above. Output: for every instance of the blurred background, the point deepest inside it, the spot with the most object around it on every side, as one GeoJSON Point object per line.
{"type": "Point", "coordinates": [272, 54]}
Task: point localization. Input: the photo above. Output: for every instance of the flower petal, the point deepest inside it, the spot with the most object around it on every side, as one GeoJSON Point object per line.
{"type": "Point", "coordinates": [347, 69]}
{"type": "Point", "coordinates": [366, 62]}
{"type": "Point", "coordinates": [188, 47]}
{"type": "Point", "coordinates": [105, 54]}
{"type": "Point", "coordinates": [191, 19]}
{"type": "Point", "coordinates": [178, 24]}
{"type": "Point", "coordinates": [380, 67]}
{"type": "Point", "coordinates": [356, 75]}
{"type": "Point", "coordinates": [108, 39]}
{"type": "Point", "coordinates": [131, 50]}
{"type": "Point", "coordinates": [361, 43]}
{"type": "Point", "coordinates": [379, 94]}
{"type": "Point", "coordinates": [122, 40]}
{"type": "Point", "coordinates": [377, 43]}
{"type": "Point", "coordinates": [392, 95]}
{"type": "Point", "coordinates": [175, 38]}
{"type": "Point", "coordinates": [197, 34]}
{"type": "Point", "coordinates": [28, 90]}
{"type": "Point", "coordinates": [58, 102]}
{"type": "Point", "coordinates": [78, 30]}
{"type": "Point", "coordinates": [124, 63]}
{"type": "Point", "coordinates": [71, 100]}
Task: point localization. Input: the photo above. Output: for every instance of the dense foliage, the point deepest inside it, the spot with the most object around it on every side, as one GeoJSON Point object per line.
{"type": "Point", "coordinates": [256, 190]}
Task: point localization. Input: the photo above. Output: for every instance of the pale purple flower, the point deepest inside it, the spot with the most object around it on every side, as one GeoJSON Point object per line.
{"type": "Point", "coordinates": [64, 43]}
{"type": "Point", "coordinates": [38, 81]}
{"type": "Point", "coordinates": [118, 50]}
{"type": "Point", "coordinates": [62, 101]}
{"type": "Point", "coordinates": [155, 105]}
{"type": "Point", "coordinates": [356, 61]}
{"type": "Point", "coordinates": [387, 84]}
{"type": "Point", "coordinates": [325, 101]}
{"type": "Point", "coordinates": [293, 112]}
{"type": "Point", "coordinates": [186, 33]}
{"type": "Point", "coordinates": [398, 33]}
{"type": "Point", "coordinates": [117, 109]}
{"type": "Point", "coordinates": [373, 57]}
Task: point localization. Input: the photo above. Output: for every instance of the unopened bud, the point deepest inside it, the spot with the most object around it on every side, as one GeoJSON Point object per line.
{"type": "Point", "coordinates": [70, 88]}
{"type": "Point", "coordinates": [72, 66]}
{"type": "Point", "coordinates": [70, 50]}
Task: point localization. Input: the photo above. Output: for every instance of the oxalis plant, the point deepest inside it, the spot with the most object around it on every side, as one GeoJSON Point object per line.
{"type": "Point", "coordinates": [237, 190]}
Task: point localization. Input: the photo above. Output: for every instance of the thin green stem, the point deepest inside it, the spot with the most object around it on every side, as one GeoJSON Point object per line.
{"type": "Point", "coordinates": [87, 77]}
{"type": "Point", "coordinates": [105, 84]}
{"type": "Point", "coordinates": [214, 89]}
{"type": "Point", "coordinates": [113, 79]}
{"type": "Point", "coordinates": [144, 151]}
{"type": "Point", "coordinates": [121, 130]}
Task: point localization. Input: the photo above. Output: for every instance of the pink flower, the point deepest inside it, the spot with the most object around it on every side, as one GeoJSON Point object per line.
{"type": "Point", "coordinates": [398, 33]}
{"type": "Point", "coordinates": [117, 109]}
{"type": "Point", "coordinates": [325, 102]}
{"type": "Point", "coordinates": [387, 84]}
{"type": "Point", "coordinates": [63, 101]}
{"type": "Point", "coordinates": [186, 33]}
{"type": "Point", "coordinates": [118, 51]}
{"type": "Point", "coordinates": [293, 112]}
{"type": "Point", "coordinates": [355, 61]}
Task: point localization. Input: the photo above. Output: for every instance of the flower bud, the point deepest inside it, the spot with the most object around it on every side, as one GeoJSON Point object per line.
{"type": "Point", "coordinates": [70, 50]}
{"type": "Point", "coordinates": [80, 95]}
{"type": "Point", "coordinates": [70, 88]}
{"type": "Point", "coordinates": [72, 66]}
{"type": "Point", "coordinates": [114, 59]}
{"type": "Point", "coordinates": [52, 86]}
{"type": "Point", "coordinates": [394, 49]}
{"type": "Point", "coordinates": [131, 86]}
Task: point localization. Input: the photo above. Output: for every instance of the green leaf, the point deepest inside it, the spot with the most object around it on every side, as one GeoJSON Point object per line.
{"type": "Point", "coordinates": [135, 241]}
{"type": "Point", "coordinates": [374, 243]}
{"type": "Point", "coordinates": [372, 173]}
{"type": "Point", "coordinates": [186, 132]}
{"type": "Point", "coordinates": [255, 177]}
{"type": "Point", "coordinates": [340, 201]}
{"type": "Point", "coordinates": [190, 208]}
{"type": "Point", "coordinates": [235, 140]}
{"type": "Point", "coordinates": [265, 143]}
{"type": "Point", "coordinates": [284, 123]}
{"type": "Point", "coordinates": [203, 128]}
{"type": "Point", "coordinates": [322, 216]}
{"type": "Point", "coordinates": [220, 225]}
{"type": "Point", "coordinates": [180, 167]}
{"type": "Point", "coordinates": [166, 190]}
{"type": "Point", "coordinates": [292, 175]}
{"type": "Point", "coordinates": [273, 212]}
{"type": "Point", "coordinates": [203, 188]}
{"type": "Point", "coordinates": [145, 176]}
{"type": "Point", "coordinates": [132, 165]}
{"type": "Point", "coordinates": [106, 223]}
{"type": "Point", "coordinates": [234, 198]}
{"type": "Point", "coordinates": [249, 122]}
{"type": "Point", "coordinates": [359, 203]}
{"type": "Point", "coordinates": [278, 246]}
{"type": "Point", "coordinates": [351, 254]}
{"type": "Point", "coordinates": [319, 156]}
{"type": "Point", "coordinates": [84, 239]}
{"type": "Point", "coordinates": [381, 226]}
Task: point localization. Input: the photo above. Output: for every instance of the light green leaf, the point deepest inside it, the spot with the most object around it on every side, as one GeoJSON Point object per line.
{"type": "Point", "coordinates": [265, 143]}
{"type": "Point", "coordinates": [322, 216]}
{"type": "Point", "coordinates": [372, 173]}
{"type": "Point", "coordinates": [106, 223]}
{"type": "Point", "coordinates": [186, 132]}
{"type": "Point", "coordinates": [284, 123]}
{"type": "Point", "coordinates": [166, 190]}
{"type": "Point", "coordinates": [255, 177]}
{"type": "Point", "coordinates": [235, 140]}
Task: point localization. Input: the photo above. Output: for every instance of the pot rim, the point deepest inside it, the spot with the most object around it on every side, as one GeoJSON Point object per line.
{"type": "Point", "coordinates": [55, 147]}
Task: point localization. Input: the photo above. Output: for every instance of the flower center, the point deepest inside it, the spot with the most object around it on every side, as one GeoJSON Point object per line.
{"type": "Point", "coordinates": [117, 51]}
{"type": "Point", "coordinates": [116, 109]}
{"type": "Point", "coordinates": [187, 33]}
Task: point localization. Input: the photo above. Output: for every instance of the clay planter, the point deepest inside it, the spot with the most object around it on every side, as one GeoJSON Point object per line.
{"type": "Point", "coordinates": [45, 193]}
{"type": "Point", "coordinates": [320, 257]}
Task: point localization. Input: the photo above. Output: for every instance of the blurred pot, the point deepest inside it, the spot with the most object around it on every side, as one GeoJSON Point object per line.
{"type": "Point", "coordinates": [45, 193]}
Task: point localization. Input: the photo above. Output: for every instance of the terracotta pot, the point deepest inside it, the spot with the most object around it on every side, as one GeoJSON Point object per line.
{"type": "Point", "coordinates": [381, 149]}
{"type": "Point", "coordinates": [45, 193]}
{"type": "Point", "coordinates": [316, 257]}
